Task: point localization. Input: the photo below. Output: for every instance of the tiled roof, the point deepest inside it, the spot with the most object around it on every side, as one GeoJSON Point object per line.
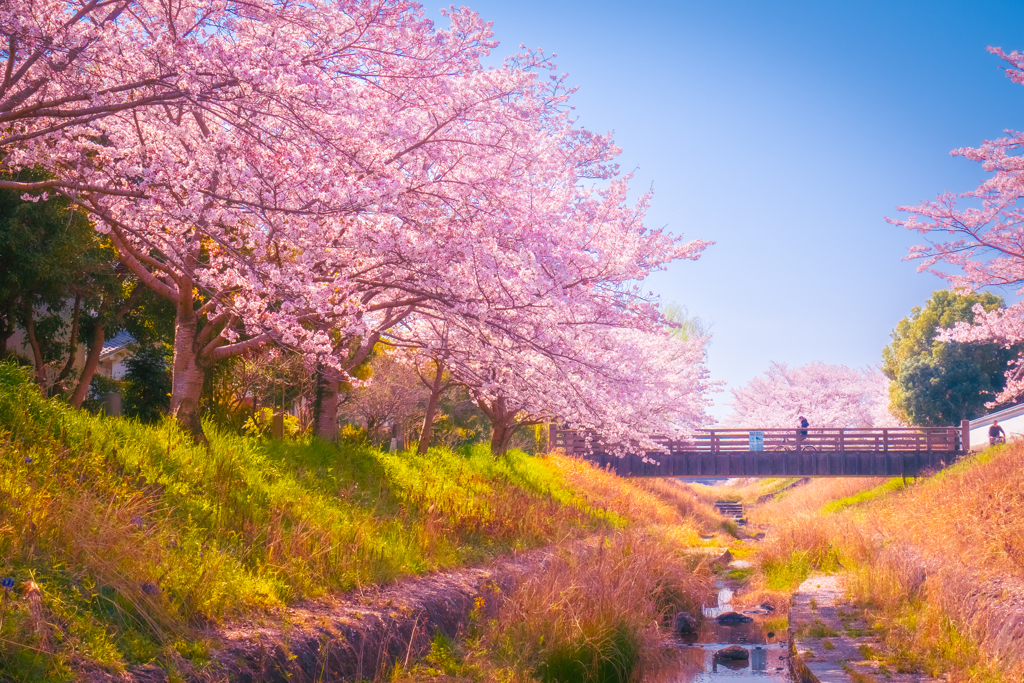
{"type": "Point", "coordinates": [119, 341]}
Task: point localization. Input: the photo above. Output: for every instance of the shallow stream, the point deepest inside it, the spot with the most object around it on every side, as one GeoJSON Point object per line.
{"type": "Point", "coordinates": [768, 652]}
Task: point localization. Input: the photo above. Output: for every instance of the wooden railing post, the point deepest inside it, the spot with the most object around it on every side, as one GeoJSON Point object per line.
{"type": "Point", "coordinates": [842, 440]}
{"type": "Point", "coordinates": [965, 436]}
{"type": "Point", "coordinates": [714, 441]}
{"type": "Point", "coordinates": [885, 440]}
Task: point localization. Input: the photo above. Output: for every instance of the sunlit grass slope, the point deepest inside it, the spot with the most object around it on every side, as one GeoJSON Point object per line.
{"type": "Point", "coordinates": [120, 536]}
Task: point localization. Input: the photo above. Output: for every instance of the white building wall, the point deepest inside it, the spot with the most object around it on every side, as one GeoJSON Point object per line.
{"type": "Point", "coordinates": [1010, 419]}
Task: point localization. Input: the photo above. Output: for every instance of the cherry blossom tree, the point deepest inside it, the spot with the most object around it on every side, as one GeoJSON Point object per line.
{"type": "Point", "coordinates": [623, 384]}
{"type": "Point", "coordinates": [312, 174]}
{"type": "Point", "coordinates": [213, 139]}
{"type": "Point", "coordinates": [827, 395]}
{"type": "Point", "coordinates": [980, 235]}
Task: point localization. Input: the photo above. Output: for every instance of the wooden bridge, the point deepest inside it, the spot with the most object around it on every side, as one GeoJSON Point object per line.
{"type": "Point", "coordinates": [754, 452]}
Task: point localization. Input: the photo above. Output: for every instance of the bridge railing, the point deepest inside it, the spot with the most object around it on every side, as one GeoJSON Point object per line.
{"type": "Point", "coordinates": [893, 439]}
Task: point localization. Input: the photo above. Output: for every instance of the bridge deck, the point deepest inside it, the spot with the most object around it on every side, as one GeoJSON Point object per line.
{"type": "Point", "coordinates": [785, 452]}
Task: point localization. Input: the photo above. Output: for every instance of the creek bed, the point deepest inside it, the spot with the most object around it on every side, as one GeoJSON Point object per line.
{"type": "Point", "coordinates": [768, 656]}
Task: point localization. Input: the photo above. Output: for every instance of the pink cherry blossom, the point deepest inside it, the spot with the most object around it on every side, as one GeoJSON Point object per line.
{"type": "Point", "coordinates": [979, 234]}
{"type": "Point", "coordinates": [827, 395]}
{"type": "Point", "coordinates": [313, 175]}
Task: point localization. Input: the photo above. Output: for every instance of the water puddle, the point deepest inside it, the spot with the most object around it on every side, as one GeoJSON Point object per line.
{"type": "Point", "coordinates": [754, 655]}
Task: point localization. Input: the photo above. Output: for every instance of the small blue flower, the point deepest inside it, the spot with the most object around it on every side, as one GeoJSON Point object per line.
{"type": "Point", "coordinates": [28, 459]}
{"type": "Point", "coordinates": [7, 583]}
{"type": "Point", "coordinates": [150, 589]}
{"type": "Point", "coordinates": [138, 521]}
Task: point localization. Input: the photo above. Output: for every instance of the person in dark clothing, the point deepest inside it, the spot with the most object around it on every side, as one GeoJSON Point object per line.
{"type": "Point", "coordinates": [996, 434]}
{"type": "Point", "coordinates": [804, 424]}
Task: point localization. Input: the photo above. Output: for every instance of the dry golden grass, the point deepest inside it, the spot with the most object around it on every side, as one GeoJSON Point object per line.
{"type": "Point", "coordinates": [599, 610]}
{"type": "Point", "coordinates": [809, 498]}
{"type": "Point", "coordinates": [606, 607]}
{"type": "Point", "coordinates": [975, 515]}
{"type": "Point", "coordinates": [680, 496]}
{"type": "Point", "coordinates": [595, 612]}
{"type": "Point", "coordinates": [637, 501]}
{"type": "Point", "coordinates": [938, 566]}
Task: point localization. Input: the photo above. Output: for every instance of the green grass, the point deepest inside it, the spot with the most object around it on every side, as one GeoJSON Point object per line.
{"type": "Point", "coordinates": [779, 487]}
{"type": "Point", "coordinates": [818, 629]}
{"type": "Point", "coordinates": [895, 484]}
{"type": "Point", "coordinates": [787, 574]}
{"type": "Point", "coordinates": [740, 575]}
{"type": "Point", "coordinates": [919, 638]}
{"type": "Point", "coordinates": [776, 625]}
{"type": "Point", "coordinates": [134, 534]}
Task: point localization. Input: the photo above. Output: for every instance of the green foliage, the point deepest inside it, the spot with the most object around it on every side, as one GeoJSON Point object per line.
{"type": "Point", "coordinates": [819, 629]}
{"type": "Point", "coordinates": [147, 383]}
{"type": "Point", "coordinates": [235, 391]}
{"type": "Point", "coordinates": [51, 255]}
{"type": "Point", "coordinates": [44, 245]}
{"type": "Point", "coordinates": [99, 387]}
{"type": "Point", "coordinates": [261, 424]}
{"type": "Point", "coordinates": [740, 575]}
{"type": "Point", "coordinates": [935, 383]}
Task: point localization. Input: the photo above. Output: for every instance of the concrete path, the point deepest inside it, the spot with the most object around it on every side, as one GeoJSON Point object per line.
{"type": "Point", "coordinates": [830, 643]}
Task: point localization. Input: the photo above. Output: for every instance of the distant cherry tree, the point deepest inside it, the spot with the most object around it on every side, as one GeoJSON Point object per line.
{"type": "Point", "coordinates": [827, 395]}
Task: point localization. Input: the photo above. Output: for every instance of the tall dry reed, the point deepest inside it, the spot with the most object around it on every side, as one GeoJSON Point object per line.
{"type": "Point", "coordinates": [601, 613]}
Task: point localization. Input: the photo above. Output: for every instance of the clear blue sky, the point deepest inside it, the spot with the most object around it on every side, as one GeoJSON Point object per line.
{"type": "Point", "coordinates": [785, 132]}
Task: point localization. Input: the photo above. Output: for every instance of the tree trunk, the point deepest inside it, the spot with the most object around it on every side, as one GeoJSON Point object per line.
{"type": "Point", "coordinates": [187, 374]}
{"type": "Point", "coordinates": [503, 424]}
{"type": "Point", "coordinates": [436, 387]}
{"type": "Point", "coordinates": [8, 329]}
{"type": "Point", "coordinates": [501, 435]}
{"type": "Point", "coordinates": [37, 349]}
{"type": "Point", "coordinates": [92, 361]}
{"type": "Point", "coordinates": [72, 339]}
{"type": "Point", "coordinates": [326, 408]}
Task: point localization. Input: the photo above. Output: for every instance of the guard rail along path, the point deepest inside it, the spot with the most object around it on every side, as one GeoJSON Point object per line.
{"type": "Point", "coordinates": [756, 452]}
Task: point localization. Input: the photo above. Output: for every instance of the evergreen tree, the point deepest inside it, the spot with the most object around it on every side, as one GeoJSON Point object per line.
{"type": "Point", "coordinates": [941, 383]}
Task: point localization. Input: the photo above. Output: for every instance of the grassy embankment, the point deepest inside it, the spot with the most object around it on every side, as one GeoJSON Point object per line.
{"type": "Point", "coordinates": [934, 564]}
{"type": "Point", "coordinates": [122, 538]}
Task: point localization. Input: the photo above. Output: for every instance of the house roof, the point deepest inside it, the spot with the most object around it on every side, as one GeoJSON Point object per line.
{"type": "Point", "coordinates": [118, 342]}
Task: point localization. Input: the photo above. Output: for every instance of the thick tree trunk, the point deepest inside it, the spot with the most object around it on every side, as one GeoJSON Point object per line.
{"type": "Point", "coordinates": [92, 361]}
{"type": "Point", "coordinates": [326, 408]}
{"type": "Point", "coordinates": [501, 434]}
{"type": "Point", "coordinates": [188, 373]}
{"type": "Point", "coordinates": [436, 387]}
{"type": "Point", "coordinates": [503, 424]}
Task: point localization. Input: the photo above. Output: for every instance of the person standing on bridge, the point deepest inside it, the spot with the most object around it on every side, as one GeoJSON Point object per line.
{"type": "Point", "coordinates": [996, 434]}
{"type": "Point", "coordinates": [802, 433]}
